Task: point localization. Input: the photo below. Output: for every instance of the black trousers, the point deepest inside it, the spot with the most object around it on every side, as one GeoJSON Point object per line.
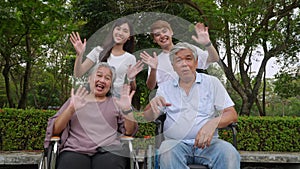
{"type": "Point", "coordinates": [107, 160]}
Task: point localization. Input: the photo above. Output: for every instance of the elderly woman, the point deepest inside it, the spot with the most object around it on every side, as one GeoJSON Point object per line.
{"type": "Point", "coordinates": [90, 124]}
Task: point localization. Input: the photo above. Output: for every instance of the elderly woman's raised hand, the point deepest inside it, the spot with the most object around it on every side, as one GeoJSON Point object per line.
{"type": "Point", "coordinates": [78, 97]}
{"type": "Point", "coordinates": [124, 102]}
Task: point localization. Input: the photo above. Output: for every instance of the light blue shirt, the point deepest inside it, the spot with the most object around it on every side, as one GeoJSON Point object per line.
{"type": "Point", "coordinates": [189, 112]}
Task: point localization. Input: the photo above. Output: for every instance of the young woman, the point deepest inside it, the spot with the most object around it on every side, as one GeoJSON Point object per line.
{"type": "Point", "coordinates": [116, 51]}
{"type": "Point", "coordinates": [90, 124]}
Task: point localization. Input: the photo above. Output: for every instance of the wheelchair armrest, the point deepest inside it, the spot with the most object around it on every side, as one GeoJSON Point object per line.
{"type": "Point", "coordinates": [233, 128]}
{"type": "Point", "coordinates": [53, 151]}
{"type": "Point", "coordinates": [159, 122]}
{"type": "Point", "coordinates": [128, 140]}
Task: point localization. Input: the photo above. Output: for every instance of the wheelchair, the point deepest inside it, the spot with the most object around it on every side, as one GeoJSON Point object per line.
{"type": "Point", "coordinates": [51, 153]}
{"type": "Point", "coordinates": [159, 138]}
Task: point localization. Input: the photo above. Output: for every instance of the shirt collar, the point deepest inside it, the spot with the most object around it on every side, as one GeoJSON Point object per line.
{"type": "Point", "coordinates": [198, 80]}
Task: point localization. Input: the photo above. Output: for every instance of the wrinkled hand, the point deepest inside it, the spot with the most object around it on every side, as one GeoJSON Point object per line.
{"type": "Point", "coordinates": [134, 70]}
{"type": "Point", "coordinates": [124, 102]}
{"type": "Point", "coordinates": [205, 135]}
{"type": "Point", "coordinates": [77, 43]}
{"type": "Point", "coordinates": [202, 34]}
{"type": "Point", "coordinates": [149, 60]}
{"type": "Point", "coordinates": [78, 97]}
{"type": "Point", "coordinates": [158, 104]}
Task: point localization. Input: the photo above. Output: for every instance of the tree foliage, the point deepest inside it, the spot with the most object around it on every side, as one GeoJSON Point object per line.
{"type": "Point", "coordinates": [37, 58]}
{"type": "Point", "coordinates": [287, 85]}
{"type": "Point", "coordinates": [29, 31]}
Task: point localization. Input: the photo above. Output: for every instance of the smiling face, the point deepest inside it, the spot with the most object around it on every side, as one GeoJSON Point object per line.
{"type": "Point", "coordinates": [163, 37]}
{"type": "Point", "coordinates": [185, 64]}
{"type": "Point", "coordinates": [101, 81]}
{"type": "Point", "coordinates": [121, 33]}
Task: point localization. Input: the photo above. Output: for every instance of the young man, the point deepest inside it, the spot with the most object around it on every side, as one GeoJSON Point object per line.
{"type": "Point", "coordinates": [196, 105]}
{"type": "Point", "coordinates": [160, 66]}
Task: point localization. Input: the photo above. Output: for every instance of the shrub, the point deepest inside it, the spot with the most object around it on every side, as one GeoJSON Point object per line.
{"type": "Point", "coordinates": [25, 130]}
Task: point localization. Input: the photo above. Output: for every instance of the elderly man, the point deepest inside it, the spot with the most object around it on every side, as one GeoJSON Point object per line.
{"type": "Point", "coordinates": [196, 105]}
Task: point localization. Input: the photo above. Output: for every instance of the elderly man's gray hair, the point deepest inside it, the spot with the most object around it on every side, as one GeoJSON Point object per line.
{"type": "Point", "coordinates": [182, 45]}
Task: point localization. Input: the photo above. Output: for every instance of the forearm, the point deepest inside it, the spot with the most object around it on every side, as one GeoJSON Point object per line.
{"type": "Point", "coordinates": [62, 120]}
{"type": "Point", "coordinates": [228, 116]}
{"type": "Point", "coordinates": [133, 85]}
{"type": "Point", "coordinates": [149, 115]}
{"type": "Point", "coordinates": [151, 81]}
{"type": "Point", "coordinates": [77, 66]}
{"type": "Point", "coordinates": [213, 55]}
{"type": "Point", "coordinates": [130, 124]}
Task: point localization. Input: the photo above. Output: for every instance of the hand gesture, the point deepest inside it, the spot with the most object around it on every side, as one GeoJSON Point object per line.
{"type": "Point", "coordinates": [77, 43]}
{"type": "Point", "coordinates": [124, 102]}
{"type": "Point", "coordinates": [202, 34]}
{"type": "Point", "coordinates": [205, 134]}
{"type": "Point", "coordinates": [158, 104]}
{"type": "Point", "coordinates": [78, 97]}
{"type": "Point", "coordinates": [149, 60]}
{"type": "Point", "coordinates": [134, 70]}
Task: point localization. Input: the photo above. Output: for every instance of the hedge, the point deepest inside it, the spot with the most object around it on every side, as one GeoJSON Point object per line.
{"type": "Point", "coordinates": [25, 130]}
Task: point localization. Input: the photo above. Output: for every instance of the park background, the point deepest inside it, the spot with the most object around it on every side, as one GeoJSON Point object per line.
{"type": "Point", "coordinates": [37, 61]}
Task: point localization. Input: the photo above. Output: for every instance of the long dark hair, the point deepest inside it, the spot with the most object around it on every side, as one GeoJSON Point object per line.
{"type": "Point", "coordinates": [109, 41]}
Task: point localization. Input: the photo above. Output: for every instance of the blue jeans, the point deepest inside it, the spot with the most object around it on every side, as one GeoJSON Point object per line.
{"type": "Point", "coordinates": [220, 154]}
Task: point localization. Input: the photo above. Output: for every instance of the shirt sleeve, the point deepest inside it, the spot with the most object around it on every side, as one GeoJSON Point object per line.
{"type": "Point", "coordinates": [50, 124]}
{"type": "Point", "coordinates": [202, 58]}
{"type": "Point", "coordinates": [222, 99]}
{"type": "Point", "coordinates": [160, 91]}
{"type": "Point", "coordinates": [94, 54]}
{"type": "Point", "coordinates": [133, 60]}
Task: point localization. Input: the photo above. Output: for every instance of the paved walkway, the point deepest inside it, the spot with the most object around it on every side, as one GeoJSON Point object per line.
{"type": "Point", "coordinates": [249, 159]}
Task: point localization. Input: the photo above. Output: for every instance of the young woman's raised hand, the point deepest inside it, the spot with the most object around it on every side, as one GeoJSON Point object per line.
{"type": "Point", "coordinates": [77, 43]}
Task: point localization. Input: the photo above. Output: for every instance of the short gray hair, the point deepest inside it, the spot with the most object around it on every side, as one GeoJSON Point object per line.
{"type": "Point", "coordinates": [111, 68]}
{"type": "Point", "coordinates": [182, 45]}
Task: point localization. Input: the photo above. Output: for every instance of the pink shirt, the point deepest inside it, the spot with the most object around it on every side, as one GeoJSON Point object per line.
{"type": "Point", "coordinates": [98, 124]}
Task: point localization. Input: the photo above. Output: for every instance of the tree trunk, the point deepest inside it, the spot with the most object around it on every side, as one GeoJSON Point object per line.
{"type": "Point", "coordinates": [245, 110]}
{"type": "Point", "coordinates": [5, 74]}
{"type": "Point", "coordinates": [23, 99]}
{"type": "Point", "coordinates": [264, 95]}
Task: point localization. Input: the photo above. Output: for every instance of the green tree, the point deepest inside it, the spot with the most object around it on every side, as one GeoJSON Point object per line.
{"type": "Point", "coordinates": [249, 31]}
{"type": "Point", "coordinates": [287, 84]}
{"type": "Point", "coordinates": [28, 29]}
{"type": "Point", "coordinates": [245, 32]}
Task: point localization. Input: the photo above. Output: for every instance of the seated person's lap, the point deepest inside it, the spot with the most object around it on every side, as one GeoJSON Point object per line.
{"type": "Point", "coordinates": [219, 151]}
{"type": "Point", "coordinates": [68, 159]}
